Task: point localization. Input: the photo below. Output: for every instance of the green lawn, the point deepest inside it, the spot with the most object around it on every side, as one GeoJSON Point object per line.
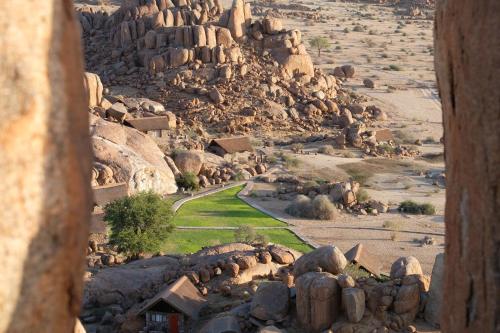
{"type": "Point", "coordinates": [190, 241]}
{"type": "Point", "coordinates": [222, 209]}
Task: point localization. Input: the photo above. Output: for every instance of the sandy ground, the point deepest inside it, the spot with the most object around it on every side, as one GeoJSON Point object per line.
{"type": "Point", "coordinates": [409, 96]}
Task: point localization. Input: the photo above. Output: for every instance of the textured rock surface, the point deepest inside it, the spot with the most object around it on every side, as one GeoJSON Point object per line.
{"type": "Point", "coordinates": [93, 88]}
{"type": "Point", "coordinates": [45, 165]}
{"type": "Point", "coordinates": [133, 156]}
{"type": "Point", "coordinates": [467, 57]}
{"type": "Point", "coordinates": [328, 258]}
{"type": "Point", "coordinates": [271, 302]}
{"type": "Point", "coordinates": [405, 266]}
{"type": "Point", "coordinates": [318, 301]}
{"type": "Point", "coordinates": [435, 300]}
{"type": "Point", "coordinates": [353, 300]}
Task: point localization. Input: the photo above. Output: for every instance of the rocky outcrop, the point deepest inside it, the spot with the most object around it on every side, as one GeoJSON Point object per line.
{"type": "Point", "coordinates": [318, 301]}
{"type": "Point", "coordinates": [93, 88]}
{"type": "Point", "coordinates": [467, 57]}
{"type": "Point", "coordinates": [435, 300]}
{"type": "Point", "coordinates": [271, 302]}
{"type": "Point", "coordinates": [327, 258]}
{"type": "Point", "coordinates": [45, 166]}
{"type": "Point", "coordinates": [133, 156]}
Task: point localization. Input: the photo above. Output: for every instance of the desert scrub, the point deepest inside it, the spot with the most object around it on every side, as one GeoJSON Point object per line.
{"type": "Point", "coordinates": [362, 195]}
{"type": "Point", "coordinates": [188, 181]}
{"type": "Point", "coordinates": [297, 147]}
{"type": "Point", "coordinates": [323, 208]}
{"type": "Point", "coordinates": [411, 207]}
{"type": "Point", "coordinates": [327, 150]}
{"type": "Point", "coordinates": [320, 208]}
{"type": "Point", "coordinates": [393, 67]}
{"type": "Point", "coordinates": [290, 161]}
{"type": "Point", "coordinates": [300, 207]}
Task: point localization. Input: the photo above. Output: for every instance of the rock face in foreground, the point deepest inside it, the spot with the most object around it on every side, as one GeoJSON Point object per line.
{"type": "Point", "coordinates": [45, 164]}
{"type": "Point", "coordinates": [134, 157]}
{"type": "Point", "coordinates": [467, 58]}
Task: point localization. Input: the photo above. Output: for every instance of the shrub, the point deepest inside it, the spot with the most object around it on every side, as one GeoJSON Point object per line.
{"type": "Point", "coordinates": [245, 234]}
{"type": "Point", "coordinates": [262, 239]}
{"type": "Point", "coordinates": [297, 147]}
{"type": "Point", "coordinates": [300, 207]}
{"type": "Point", "coordinates": [412, 207]}
{"type": "Point", "coordinates": [327, 150]}
{"type": "Point", "coordinates": [395, 68]}
{"type": "Point", "coordinates": [323, 208]}
{"type": "Point", "coordinates": [362, 195]}
{"type": "Point", "coordinates": [392, 225]}
{"type": "Point", "coordinates": [188, 181]}
{"type": "Point", "coordinates": [139, 223]}
{"type": "Point", "coordinates": [320, 208]}
{"type": "Point", "coordinates": [290, 161]}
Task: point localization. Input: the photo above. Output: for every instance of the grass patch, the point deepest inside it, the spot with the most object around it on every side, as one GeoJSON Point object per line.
{"type": "Point", "coordinates": [223, 209]}
{"type": "Point", "coordinates": [412, 207]}
{"type": "Point", "coordinates": [355, 271]}
{"type": "Point", "coordinates": [190, 241]}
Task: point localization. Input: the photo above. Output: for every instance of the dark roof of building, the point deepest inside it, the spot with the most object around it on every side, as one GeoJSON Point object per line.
{"type": "Point", "coordinates": [108, 193]}
{"type": "Point", "coordinates": [148, 123]}
{"type": "Point", "coordinates": [233, 145]}
{"type": "Point", "coordinates": [181, 295]}
{"type": "Point", "coordinates": [359, 255]}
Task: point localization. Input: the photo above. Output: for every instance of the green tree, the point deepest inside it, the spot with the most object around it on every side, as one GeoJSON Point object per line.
{"type": "Point", "coordinates": [139, 223]}
{"type": "Point", "coordinates": [319, 43]}
{"type": "Point", "coordinates": [245, 234]}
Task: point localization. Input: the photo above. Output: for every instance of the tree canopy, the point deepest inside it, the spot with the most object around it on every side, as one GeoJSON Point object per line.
{"type": "Point", "coordinates": [139, 223]}
{"type": "Point", "coordinates": [320, 43]}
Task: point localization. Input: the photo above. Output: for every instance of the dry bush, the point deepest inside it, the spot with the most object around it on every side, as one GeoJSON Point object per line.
{"type": "Point", "coordinates": [300, 207]}
{"type": "Point", "coordinates": [323, 208]}
{"type": "Point", "coordinates": [327, 150]}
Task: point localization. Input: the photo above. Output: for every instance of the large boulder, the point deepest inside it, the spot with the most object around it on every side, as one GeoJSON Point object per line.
{"type": "Point", "coordinates": [297, 64]}
{"type": "Point", "coordinates": [405, 266]}
{"type": "Point", "coordinates": [271, 302]}
{"type": "Point", "coordinates": [435, 300]}
{"type": "Point", "coordinates": [133, 156]}
{"type": "Point", "coordinates": [93, 89]}
{"type": "Point", "coordinates": [128, 284]}
{"type": "Point", "coordinates": [353, 300]}
{"type": "Point", "coordinates": [189, 162]}
{"type": "Point", "coordinates": [45, 163]}
{"type": "Point", "coordinates": [318, 301]}
{"type": "Point", "coordinates": [236, 22]}
{"type": "Point", "coordinates": [328, 258]}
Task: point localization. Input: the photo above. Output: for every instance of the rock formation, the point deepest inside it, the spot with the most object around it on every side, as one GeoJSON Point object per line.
{"type": "Point", "coordinates": [467, 58]}
{"type": "Point", "coordinates": [45, 165]}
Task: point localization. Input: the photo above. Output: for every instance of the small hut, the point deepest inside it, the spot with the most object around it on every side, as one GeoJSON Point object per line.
{"type": "Point", "coordinates": [173, 309]}
{"type": "Point", "coordinates": [230, 146]}
{"type": "Point", "coordinates": [154, 126]}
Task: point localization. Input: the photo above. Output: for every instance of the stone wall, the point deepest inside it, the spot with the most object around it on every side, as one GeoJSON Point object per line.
{"type": "Point", "coordinates": [45, 165]}
{"type": "Point", "coordinates": [467, 64]}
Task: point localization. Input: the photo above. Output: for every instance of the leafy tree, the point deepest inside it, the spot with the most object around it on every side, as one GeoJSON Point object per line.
{"type": "Point", "coordinates": [139, 223]}
{"type": "Point", "coordinates": [319, 43]}
{"type": "Point", "coordinates": [245, 234]}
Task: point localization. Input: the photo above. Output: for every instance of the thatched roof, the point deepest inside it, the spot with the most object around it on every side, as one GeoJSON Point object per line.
{"type": "Point", "coordinates": [233, 145]}
{"type": "Point", "coordinates": [181, 295]}
{"type": "Point", "coordinates": [108, 193]}
{"type": "Point", "coordinates": [149, 123]}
